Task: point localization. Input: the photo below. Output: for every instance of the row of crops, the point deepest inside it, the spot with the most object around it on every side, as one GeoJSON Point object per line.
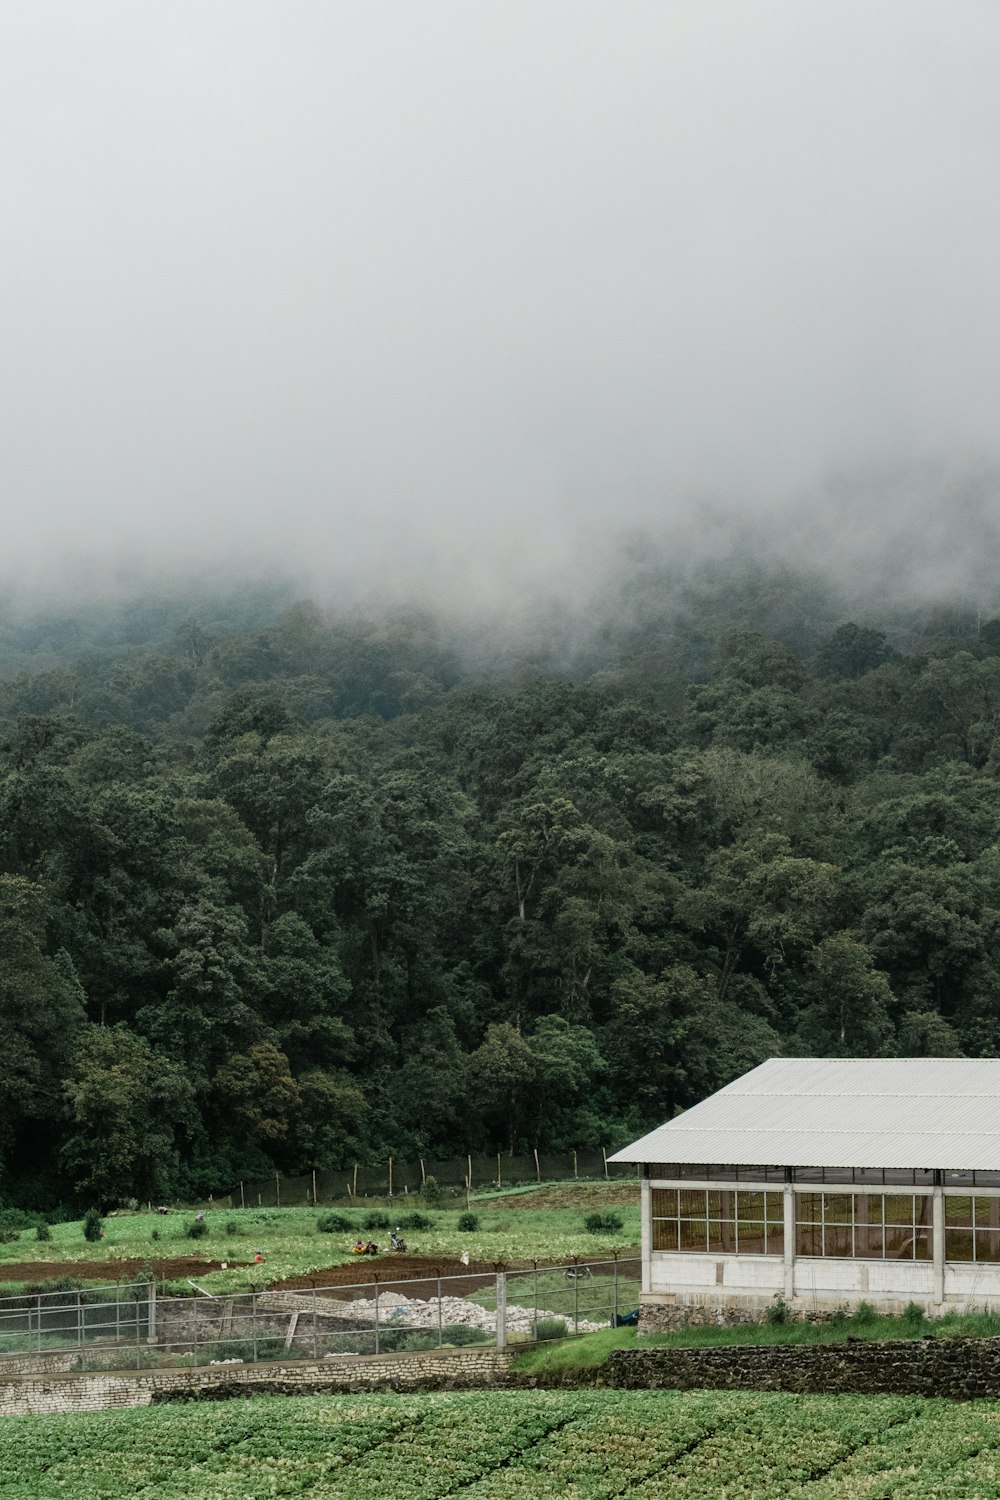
{"type": "Point", "coordinates": [593, 1445]}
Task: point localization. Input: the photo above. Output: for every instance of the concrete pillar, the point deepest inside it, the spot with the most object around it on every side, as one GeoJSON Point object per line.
{"type": "Point", "coordinates": [502, 1310]}
{"type": "Point", "coordinates": [937, 1240]}
{"type": "Point", "coordinates": [647, 1234]}
{"type": "Point", "coordinates": [789, 1288]}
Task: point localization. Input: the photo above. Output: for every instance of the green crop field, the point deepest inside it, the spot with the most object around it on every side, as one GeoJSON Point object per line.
{"type": "Point", "coordinates": [593, 1445]}
{"type": "Point", "coordinates": [293, 1246]}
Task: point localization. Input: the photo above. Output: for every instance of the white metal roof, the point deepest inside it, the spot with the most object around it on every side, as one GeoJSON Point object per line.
{"type": "Point", "coordinates": [922, 1112]}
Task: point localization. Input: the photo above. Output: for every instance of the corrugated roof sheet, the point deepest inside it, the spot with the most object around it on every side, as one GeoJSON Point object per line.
{"type": "Point", "coordinates": [922, 1112]}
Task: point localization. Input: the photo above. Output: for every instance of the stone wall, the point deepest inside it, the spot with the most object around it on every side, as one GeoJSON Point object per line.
{"type": "Point", "coordinates": [666, 1314]}
{"type": "Point", "coordinates": [450, 1370]}
{"type": "Point", "coordinates": [958, 1368]}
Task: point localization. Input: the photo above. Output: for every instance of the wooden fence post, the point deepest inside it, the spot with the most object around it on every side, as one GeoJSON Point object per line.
{"type": "Point", "coordinates": [277, 1190]}
{"type": "Point", "coordinates": [390, 1176]}
{"type": "Point", "coordinates": [604, 1153]}
{"type": "Point", "coordinates": [538, 1170]}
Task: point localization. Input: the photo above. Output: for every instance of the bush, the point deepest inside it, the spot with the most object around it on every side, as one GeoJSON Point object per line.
{"type": "Point", "coordinates": [334, 1224]}
{"type": "Point", "coordinates": [93, 1225]}
{"type": "Point", "coordinates": [43, 1232]}
{"type": "Point", "coordinates": [913, 1316]}
{"type": "Point", "coordinates": [431, 1193]}
{"type": "Point", "coordinates": [377, 1220]}
{"type": "Point", "coordinates": [468, 1223]}
{"type": "Point", "coordinates": [197, 1230]}
{"type": "Point", "coordinates": [8, 1234]}
{"type": "Point", "coordinates": [864, 1313]}
{"type": "Point", "coordinates": [416, 1221]}
{"type": "Point", "coordinates": [465, 1333]}
{"type": "Point", "coordinates": [232, 1228]}
{"type": "Point", "coordinates": [547, 1329]}
{"type": "Point", "coordinates": [155, 1235]}
{"type": "Point", "coordinates": [602, 1223]}
{"type": "Point", "coordinates": [778, 1312]}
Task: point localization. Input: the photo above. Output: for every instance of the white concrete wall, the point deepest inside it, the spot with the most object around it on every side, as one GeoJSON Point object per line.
{"type": "Point", "coordinates": [760, 1275]}
{"type": "Point", "coordinates": [836, 1280]}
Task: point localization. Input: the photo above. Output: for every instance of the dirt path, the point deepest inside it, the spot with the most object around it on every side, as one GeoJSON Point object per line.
{"type": "Point", "coordinates": [172, 1269]}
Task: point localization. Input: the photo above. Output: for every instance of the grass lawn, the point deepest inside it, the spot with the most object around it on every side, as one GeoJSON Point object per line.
{"type": "Point", "coordinates": [293, 1246]}
{"type": "Point", "coordinates": [574, 1445]}
{"type": "Point", "coordinates": [592, 1349]}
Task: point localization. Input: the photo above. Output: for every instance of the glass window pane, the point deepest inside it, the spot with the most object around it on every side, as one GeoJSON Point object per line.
{"type": "Point", "coordinates": [751, 1205]}
{"type": "Point", "coordinates": [664, 1234]}
{"type": "Point", "coordinates": [808, 1239]}
{"type": "Point", "coordinates": [692, 1203]}
{"type": "Point", "coordinates": [809, 1208]}
{"type": "Point", "coordinates": [751, 1237]}
{"type": "Point", "coordinates": [838, 1208]}
{"type": "Point", "coordinates": [898, 1242]}
{"type": "Point", "coordinates": [775, 1239]}
{"type": "Point", "coordinates": [987, 1244]}
{"type": "Point", "coordinates": [987, 1213]}
{"type": "Point", "coordinates": [868, 1241]}
{"type": "Point", "coordinates": [694, 1234]}
{"type": "Point", "coordinates": [958, 1244]}
{"type": "Point", "coordinates": [664, 1203]}
{"type": "Point", "coordinates": [898, 1208]}
{"type": "Point", "coordinates": [923, 1244]}
{"type": "Point", "coordinates": [868, 1209]}
{"type": "Point", "coordinates": [722, 1236]}
{"type": "Point", "coordinates": [837, 1239]}
{"type": "Point", "coordinates": [958, 1211]}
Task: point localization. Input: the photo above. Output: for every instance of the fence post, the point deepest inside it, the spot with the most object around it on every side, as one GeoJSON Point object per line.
{"type": "Point", "coordinates": [614, 1323]}
{"type": "Point", "coordinates": [498, 1169]}
{"type": "Point", "coordinates": [315, 1329]}
{"type": "Point", "coordinates": [376, 1317]}
{"type": "Point", "coordinates": [575, 1172]}
{"type": "Point", "coordinates": [151, 1319]}
{"type": "Point", "coordinates": [501, 1310]}
{"type": "Point", "coordinates": [79, 1319]}
{"type": "Point", "coordinates": [538, 1170]}
{"type": "Point", "coordinates": [253, 1323]}
{"type": "Point", "coordinates": [390, 1176]}
{"type": "Point", "coordinates": [604, 1153]}
{"type": "Point", "coordinates": [38, 1322]}
{"type": "Point", "coordinates": [534, 1325]}
{"type": "Point", "coordinates": [315, 1199]}
{"type": "Point", "coordinates": [277, 1190]}
{"type": "Point", "coordinates": [440, 1317]}
{"type": "Point", "coordinates": [243, 1201]}
{"type": "Point", "coordinates": [423, 1174]}
{"type": "Point", "coordinates": [576, 1296]}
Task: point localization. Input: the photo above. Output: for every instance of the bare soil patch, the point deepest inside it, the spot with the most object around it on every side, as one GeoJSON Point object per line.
{"type": "Point", "coordinates": [585, 1196]}
{"type": "Point", "coordinates": [110, 1270]}
{"type": "Point", "coordinates": [397, 1273]}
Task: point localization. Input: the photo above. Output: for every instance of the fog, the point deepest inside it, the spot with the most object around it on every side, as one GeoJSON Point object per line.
{"type": "Point", "coordinates": [460, 299]}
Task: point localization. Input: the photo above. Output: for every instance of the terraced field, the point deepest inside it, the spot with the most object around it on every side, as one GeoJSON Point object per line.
{"type": "Point", "coordinates": [594, 1445]}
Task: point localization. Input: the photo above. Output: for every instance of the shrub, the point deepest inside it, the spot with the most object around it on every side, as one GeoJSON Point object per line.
{"type": "Point", "coordinates": [155, 1235]}
{"type": "Point", "coordinates": [913, 1316]}
{"type": "Point", "coordinates": [864, 1313]}
{"type": "Point", "coordinates": [197, 1230]}
{"type": "Point", "coordinates": [232, 1227]}
{"type": "Point", "coordinates": [468, 1223]}
{"type": "Point", "coordinates": [778, 1312]}
{"type": "Point", "coordinates": [334, 1224]}
{"type": "Point", "coordinates": [550, 1328]}
{"type": "Point", "coordinates": [602, 1223]}
{"type": "Point", "coordinates": [465, 1333]}
{"type": "Point", "coordinates": [431, 1193]}
{"type": "Point", "coordinates": [93, 1225]}
{"type": "Point", "coordinates": [377, 1220]}
{"type": "Point", "coordinates": [43, 1232]}
{"type": "Point", "coordinates": [8, 1234]}
{"type": "Point", "coordinates": [416, 1221]}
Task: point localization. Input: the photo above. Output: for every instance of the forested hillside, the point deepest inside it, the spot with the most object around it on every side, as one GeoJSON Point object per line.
{"type": "Point", "coordinates": [286, 886]}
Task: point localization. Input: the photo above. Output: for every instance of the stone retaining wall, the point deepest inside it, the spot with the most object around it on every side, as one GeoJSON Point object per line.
{"type": "Point", "coordinates": [957, 1368]}
{"type": "Point", "coordinates": [451, 1370]}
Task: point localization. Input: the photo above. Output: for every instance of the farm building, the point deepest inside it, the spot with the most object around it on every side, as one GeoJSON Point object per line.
{"type": "Point", "coordinates": [826, 1182]}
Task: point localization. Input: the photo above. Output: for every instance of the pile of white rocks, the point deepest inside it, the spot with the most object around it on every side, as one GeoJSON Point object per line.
{"type": "Point", "coordinates": [397, 1311]}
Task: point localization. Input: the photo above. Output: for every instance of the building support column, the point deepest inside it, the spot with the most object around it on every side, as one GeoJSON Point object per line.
{"type": "Point", "coordinates": [789, 1287]}
{"type": "Point", "coordinates": [937, 1240]}
{"type": "Point", "coordinates": [647, 1232]}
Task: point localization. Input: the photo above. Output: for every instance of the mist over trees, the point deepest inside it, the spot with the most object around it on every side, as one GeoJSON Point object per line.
{"type": "Point", "coordinates": [282, 887]}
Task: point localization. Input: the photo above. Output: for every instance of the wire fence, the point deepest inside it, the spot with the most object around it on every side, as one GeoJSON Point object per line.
{"type": "Point", "coordinates": [131, 1327]}
{"type": "Point", "coordinates": [458, 1174]}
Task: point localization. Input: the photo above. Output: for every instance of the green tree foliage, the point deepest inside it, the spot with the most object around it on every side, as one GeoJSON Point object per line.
{"type": "Point", "coordinates": [280, 889]}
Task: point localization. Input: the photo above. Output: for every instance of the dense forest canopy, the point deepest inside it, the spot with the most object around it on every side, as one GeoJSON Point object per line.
{"type": "Point", "coordinates": [282, 886]}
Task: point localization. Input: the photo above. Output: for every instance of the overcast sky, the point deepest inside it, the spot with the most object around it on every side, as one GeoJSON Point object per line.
{"type": "Point", "coordinates": [449, 287]}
